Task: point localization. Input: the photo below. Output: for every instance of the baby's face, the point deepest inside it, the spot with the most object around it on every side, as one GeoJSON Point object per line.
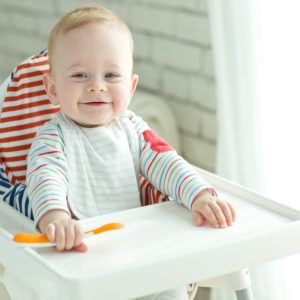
{"type": "Point", "coordinates": [92, 77]}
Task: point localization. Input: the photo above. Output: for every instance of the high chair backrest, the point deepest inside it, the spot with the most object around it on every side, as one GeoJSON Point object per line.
{"type": "Point", "coordinates": [25, 108]}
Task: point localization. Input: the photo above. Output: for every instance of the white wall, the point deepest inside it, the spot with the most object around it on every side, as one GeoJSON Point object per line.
{"type": "Point", "coordinates": [172, 56]}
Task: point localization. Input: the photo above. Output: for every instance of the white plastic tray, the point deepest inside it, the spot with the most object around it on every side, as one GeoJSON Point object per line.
{"type": "Point", "coordinates": [159, 248]}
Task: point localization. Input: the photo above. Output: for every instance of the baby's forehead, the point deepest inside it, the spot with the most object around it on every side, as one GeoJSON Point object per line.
{"type": "Point", "coordinates": [103, 28]}
{"type": "Point", "coordinates": [83, 42]}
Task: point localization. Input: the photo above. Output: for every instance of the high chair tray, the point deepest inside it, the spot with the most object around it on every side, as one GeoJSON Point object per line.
{"type": "Point", "coordinates": [158, 249]}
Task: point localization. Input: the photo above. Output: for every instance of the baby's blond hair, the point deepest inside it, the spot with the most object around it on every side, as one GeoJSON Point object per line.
{"type": "Point", "coordinates": [80, 17]}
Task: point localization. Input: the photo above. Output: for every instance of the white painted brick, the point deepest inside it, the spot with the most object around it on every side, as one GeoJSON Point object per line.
{"type": "Point", "coordinates": [185, 4]}
{"type": "Point", "coordinates": [209, 63]}
{"type": "Point", "coordinates": [177, 55]}
{"type": "Point", "coordinates": [122, 8]}
{"type": "Point", "coordinates": [31, 44]}
{"type": "Point", "coordinates": [157, 20]}
{"type": "Point", "coordinates": [202, 6]}
{"type": "Point", "coordinates": [209, 126]}
{"type": "Point", "coordinates": [5, 72]}
{"type": "Point", "coordinates": [35, 6]}
{"type": "Point", "coordinates": [203, 92]}
{"type": "Point", "coordinates": [196, 121]}
{"type": "Point", "coordinates": [1, 48]}
{"type": "Point", "coordinates": [9, 60]}
{"type": "Point", "coordinates": [45, 25]}
{"type": "Point", "coordinates": [193, 27]}
{"type": "Point", "coordinates": [65, 6]}
{"type": "Point", "coordinates": [24, 22]}
{"type": "Point", "coordinates": [199, 152]}
{"type": "Point", "coordinates": [4, 36]}
{"type": "Point", "coordinates": [3, 3]}
{"type": "Point", "coordinates": [142, 45]}
{"type": "Point", "coordinates": [175, 84]}
{"type": "Point", "coordinates": [149, 75]}
{"type": "Point", "coordinates": [8, 5]}
{"type": "Point", "coordinates": [4, 19]}
{"type": "Point", "coordinates": [189, 117]}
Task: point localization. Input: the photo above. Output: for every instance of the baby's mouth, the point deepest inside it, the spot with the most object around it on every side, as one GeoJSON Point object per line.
{"type": "Point", "coordinates": [95, 103]}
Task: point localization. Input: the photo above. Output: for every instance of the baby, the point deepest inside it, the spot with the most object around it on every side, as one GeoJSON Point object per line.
{"type": "Point", "coordinates": [86, 161]}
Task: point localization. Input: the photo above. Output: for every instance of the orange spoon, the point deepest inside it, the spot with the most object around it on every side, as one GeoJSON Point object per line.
{"type": "Point", "coordinates": [35, 238]}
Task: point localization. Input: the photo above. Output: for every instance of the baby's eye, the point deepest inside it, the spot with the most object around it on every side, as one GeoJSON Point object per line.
{"type": "Point", "coordinates": [111, 75]}
{"type": "Point", "coordinates": [80, 75]}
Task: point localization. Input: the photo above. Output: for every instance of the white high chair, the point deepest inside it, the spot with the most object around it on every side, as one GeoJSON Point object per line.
{"type": "Point", "coordinates": [158, 249]}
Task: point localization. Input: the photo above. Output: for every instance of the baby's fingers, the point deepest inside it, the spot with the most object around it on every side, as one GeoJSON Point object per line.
{"type": "Point", "coordinates": [81, 248]}
{"type": "Point", "coordinates": [210, 216]}
{"type": "Point", "coordinates": [56, 234]}
{"type": "Point", "coordinates": [218, 214]}
{"type": "Point", "coordinates": [50, 232]}
{"type": "Point", "coordinates": [232, 210]}
{"type": "Point", "coordinates": [79, 234]}
{"type": "Point", "coordinates": [73, 234]}
{"type": "Point", "coordinates": [228, 212]}
{"type": "Point", "coordinates": [198, 218]}
{"type": "Point", "coordinates": [60, 238]}
{"type": "Point", "coordinates": [69, 236]}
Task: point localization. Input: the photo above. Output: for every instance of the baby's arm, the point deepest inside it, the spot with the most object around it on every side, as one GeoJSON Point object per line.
{"type": "Point", "coordinates": [210, 208]}
{"type": "Point", "coordinates": [175, 177]}
{"type": "Point", "coordinates": [62, 230]}
{"type": "Point", "coordinates": [47, 189]}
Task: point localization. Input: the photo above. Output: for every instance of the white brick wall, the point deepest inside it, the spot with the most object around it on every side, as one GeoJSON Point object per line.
{"type": "Point", "coordinates": [173, 56]}
{"type": "Point", "coordinates": [193, 28]}
{"type": "Point", "coordinates": [178, 4]}
{"type": "Point", "coordinates": [175, 84]}
{"type": "Point", "coordinates": [198, 151]}
{"type": "Point", "coordinates": [202, 92]}
{"type": "Point", "coordinates": [176, 54]}
{"type": "Point", "coordinates": [156, 20]}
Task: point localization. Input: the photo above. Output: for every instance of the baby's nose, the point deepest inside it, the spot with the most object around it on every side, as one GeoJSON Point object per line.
{"type": "Point", "coordinates": [97, 86]}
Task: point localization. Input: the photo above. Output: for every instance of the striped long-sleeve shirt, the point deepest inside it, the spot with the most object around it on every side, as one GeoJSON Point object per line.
{"type": "Point", "coordinates": [92, 171]}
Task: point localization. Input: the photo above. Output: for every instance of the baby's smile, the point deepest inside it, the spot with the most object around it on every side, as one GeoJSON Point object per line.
{"type": "Point", "coordinates": [96, 103]}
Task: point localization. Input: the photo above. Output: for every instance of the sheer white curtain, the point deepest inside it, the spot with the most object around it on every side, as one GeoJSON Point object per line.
{"type": "Point", "coordinates": [256, 46]}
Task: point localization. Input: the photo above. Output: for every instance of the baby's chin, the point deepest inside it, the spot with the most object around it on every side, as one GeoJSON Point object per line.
{"type": "Point", "coordinates": [89, 125]}
{"type": "Point", "coordinates": [95, 120]}
{"type": "Point", "coordinates": [92, 123]}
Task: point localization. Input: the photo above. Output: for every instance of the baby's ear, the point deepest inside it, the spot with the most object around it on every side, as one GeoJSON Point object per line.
{"type": "Point", "coordinates": [134, 82]}
{"type": "Point", "coordinates": [50, 87]}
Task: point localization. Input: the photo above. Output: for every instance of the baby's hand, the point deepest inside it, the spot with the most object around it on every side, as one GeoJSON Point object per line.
{"type": "Point", "coordinates": [62, 230]}
{"type": "Point", "coordinates": [215, 211]}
